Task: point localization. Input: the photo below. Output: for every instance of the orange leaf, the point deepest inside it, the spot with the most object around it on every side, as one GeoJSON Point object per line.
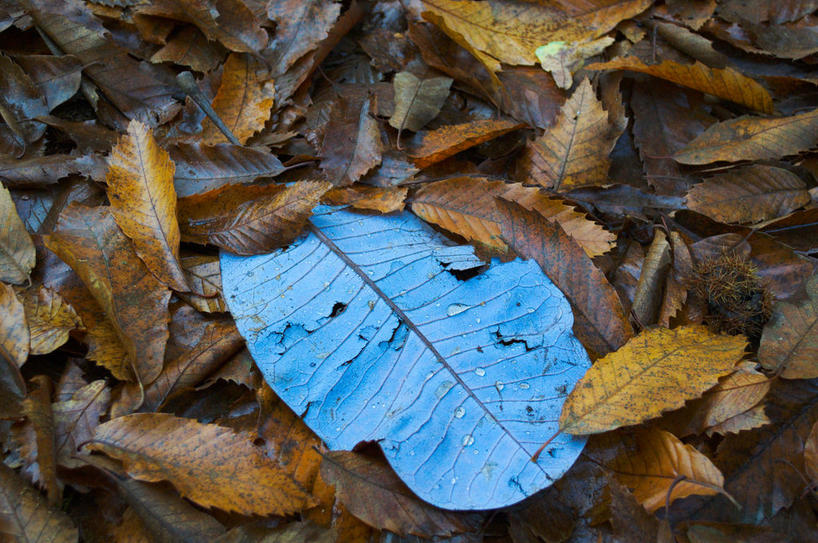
{"type": "Point", "coordinates": [600, 321]}
{"type": "Point", "coordinates": [384, 200]}
{"type": "Point", "coordinates": [656, 371]}
{"type": "Point", "coordinates": [249, 220]}
{"type": "Point", "coordinates": [14, 331]}
{"type": "Point", "coordinates": [574, 152]}
{"type": "Point", "coordinates": [208, 464]}
{"type": "Point", "coordinates": [752, 138]}
{"type": "Point", "coordinates": [89, 241]}
{"type": "Point", "coordinates": [659, 459]}
{"type": "Point", "coordinates": [243, 101]}
{"type": "Point", "coordinates": [438, 145]}
{"type": "Point", "coordinates": [750, 194]}
{"type": "Point", "coordinates": [373, 493]}
{"type": "Point", "coordinates": [143, 202]}
{"type": "Point", "coordinates": [724, 83]}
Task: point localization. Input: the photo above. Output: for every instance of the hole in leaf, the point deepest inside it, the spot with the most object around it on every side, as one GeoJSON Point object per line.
{"type": "Point", "coordinates": [337, 309]}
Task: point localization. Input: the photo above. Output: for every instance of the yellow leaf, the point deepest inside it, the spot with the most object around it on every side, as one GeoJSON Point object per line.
{"type": "Point", "coordinates": [510, 31]}
{"type": "Point", "coordinates": [14, 334]}
{"type": "Point", "coordinates": [50, 319]}
{"type": "Point", "coordinates": [143, 202]}
{"type": "Point", "coordinates": [752, 138]}
{"type": "Point", "coordinates": [659, 460]}
{"type": "Point", "coordinates": [16, 248]}
{"type": "Point", "coordinates": [208, 464]}
{"type": "Point", "coordinates": [655, 371]}
{"type": "Point", "coordinates": [561, 59]}
{"type": "Point", "coordinates": [723, 83]}
{"type": "Point", "coordinates": [574, 152]}
{"type": "Point", "coordinates": [243, 101]}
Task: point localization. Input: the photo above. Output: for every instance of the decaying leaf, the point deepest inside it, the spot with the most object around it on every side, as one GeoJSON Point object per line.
{"type": "Point", "coordinates": [300, 27]}
{"type": "Point", "coordinates": [16, 248]}
{"type": "Point", "coordinates": [438, 145]}
{"type": "Point", "coordinates": [244, 100]}
{"type": "Point", "coordinates": [89, 240]}
{"type": "Point", "coordinates": [352, 142]}
{"type": "Point", "coordinates": [725, 83]}
{"type": "Point", "coordinates": [562, 59]}
{"type": "Point", "coordinates": [789, 342]}
{"type": "Point", "coordinates": [749, 195]}
{"type": "Point", "coordinates": [143, 202]}
{"type": "Point", "coordinates": [249, 220]}
{"type": "Point", "coordinates": [50, 319]}
{"type": "Point", "coordinates": [384, 200]}
{"type": "Point", "coordinates": [205, 280]}
{"type": "Point", "coordinates": [417, 101]}
{"type": "Point", "coordinates": [373, 493]}
{"type": "Point", "coordinates": [26, 515]}
{"type": "Point", "coordinates": [648, 294]}
{"type": "Point", "coordinates": [752, 138]}
{"type": "Point", "coordinates": [14, 332]}
{"type": "Point", "coordinates": [574, 152]}
{"type": "Point", "coordinates": [208, 464]}
{"type": "Point", "coordinates": [660, 461]}
{"type": "Point", "coordinates": [655, 371]}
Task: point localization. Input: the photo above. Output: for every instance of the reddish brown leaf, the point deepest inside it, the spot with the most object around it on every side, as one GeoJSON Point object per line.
{"type": "Point", "coordinates": [438, 145]}
{"type": "Point", "coordinates": [373, 493]}
{"type": "Point", "coordinates": [601, 323]}
{"type": "Point", "coordinates": [89, 240]}
{"type": "Point", "coordinates": [249, 219]}
{"type": "Point", "coordinates": [189, 47]}
{"type": "Point", "coordinates": [208, 464]}
{"type": "Point", "coordinates": [352, 141]}
{"type": "Point", "coordinates": [384, 200]}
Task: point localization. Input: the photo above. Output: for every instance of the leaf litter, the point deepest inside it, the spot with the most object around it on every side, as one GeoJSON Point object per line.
{"type": "Point", "coordinates": [340, 271]}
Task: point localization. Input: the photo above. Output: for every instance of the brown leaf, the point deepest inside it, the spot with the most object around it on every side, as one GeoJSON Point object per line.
{"type": "Point", "coordinates": [789, 342]}
{"type": "Point", "coordinates": [574, 152]}
{"type": "Point", "coordinates": [143, 202]}
{"type": "Point", "coordinates": [205, 279]}
{"type": "Point", "coordinates": [438, 145]}
{"type": "Point", "coordinates": [750, 194]}
{"type": "Point", "coordinates": [417, 101]}
{"type": "Point", "coordinates": [811, 453]}
{"type": "Point", "coordinates": [50, 319]}
{"type": "Point", "coordinates": [600, 321]}
{"type": "Point", "coordinates": [510, 32]}
{"type": "Point", "coordinates": [37, 409]}
{"type": "Point", "coordinates": [227, 21]}
{"type": "Point", "coordinates": [724, 83]}
{"type": "Point", "coordinates": [373, 493]}
{"type": "Point", "coordinates": [752, 138]}
{"type": "Point", "coordinates": [798, 230]}
{"type": "Point", "coordinates": [659, 458]}
{"type": "Point", "coordinates": [17, 253]}
{"type": "Point", "coordinates": [27, 517]}
{"type": "Point", "coordinates": [384, 200]}
{"type": "Point", "coordinates": [352, 141]}
{"type": "Point", "coordinates": [249, 220]}
{"type": "Point", "coordinates": [21, 102]}
{"type": "Point", "coordinates": [89, 241]}
{"type": "Point", "coordinates": [749, 420]}
{"type": "Point", "coordinates": [42, 171]}
{"type": "Point", "coordinates": [208, 464]}
{"type": "Point", "coordinates": [244, 100]}
{"type": "Point", "coordinates": [758, 11]}
{"type": "Point", "coordinates": [300, 27]}
{"type": "Point", "coordinates": [189, 47]}
{"type": "Point", "coordinates": [202, 168]}
{"type": "Point", "coordinates": [76, 418]}
{"type": "Point", "coordinates": [648, 295]}
{"type": "Point", "coordinates": [655, 371]}
{"type": "Point", "coordinates": [561, 59]}
{"type": "Point", "coordinates": [14, 332]}
{"type": "Point", "coordinates": [57, 77]}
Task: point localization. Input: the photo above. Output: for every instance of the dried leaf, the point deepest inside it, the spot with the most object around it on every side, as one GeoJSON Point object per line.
{"type": "Point", "coordinates": [244, 100]}
{"type": "Point", "coordinates": [750, 194]}
{"type": "Point", "coordinates": [752, 138]}
{"type": "Point", "coordinates": [205, 280]}
{"type": "Point", "coordinates": [50, 319]}
{"type": "Point", "coordinates": [811, 453]}
{"type": "Point", "coordinates": [14, 333]}
{"type": "Point", "coordinates": [574, 152]}
{"type": "Point", "coordinates": [27, 517]}
{"type": "Point", "coordinates": [143, 202]}
{"type": "Point", "coordinates": [438, 145]}
{"type": "Point", "coordinates": [658, 460]}
{"type": "Point", "coordinates": [648, 295]}
{"type": "Point", "coordinates": [510, 32]}
{"type": "Point", "coordinates": [208, 464]}
{"type": "Point", "coordinates": [249, 220]}
{"type": "Point", "coordinates": [37, 409]}
{"type": "Point", "coordinates": [352, 141]}
{"type": "Point", "coordinates": [724, 83]}
{"type": "Point", "coordinates": [562, 59]}
{"type": "Point", "coordinates": [89, 241]}
{"type": "Point", "coordinates": [600, 321]}
{"type": "Point", "coordinates": [417, 101]}
{"type": "Point", "coordinates": [57, 77]}
{"type": "Point", "coordinates": [655, 371]}
{"type": "Point", "coordinates": [189, 47]}
{"type": "Point", "coordinates": [384, 200]}
{"type": "Point", "coordinates": [373, 493]}
{"type": "Point", "coordinates": [760, 11]}
{"type": "Point", "coordinates": [202, 168]}
{"type": "Point", "coordinates": [76, 418]}
{"type": "Point", "coordinates": [300, 27]}
{"type": "Point", "coordinates": [17, 253]}
{"type": "Point", "coordinates": [21, 102]}
{"type": "Point", "coordinates": [42, 171]}
{"type": "Point", "coordinates": [789, 341]}
{"type": "Point", "coordinates": [749, 420]}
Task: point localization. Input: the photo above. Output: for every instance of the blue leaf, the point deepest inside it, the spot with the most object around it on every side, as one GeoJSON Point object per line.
{"type": "Point", "coordinates": [370, 329]}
